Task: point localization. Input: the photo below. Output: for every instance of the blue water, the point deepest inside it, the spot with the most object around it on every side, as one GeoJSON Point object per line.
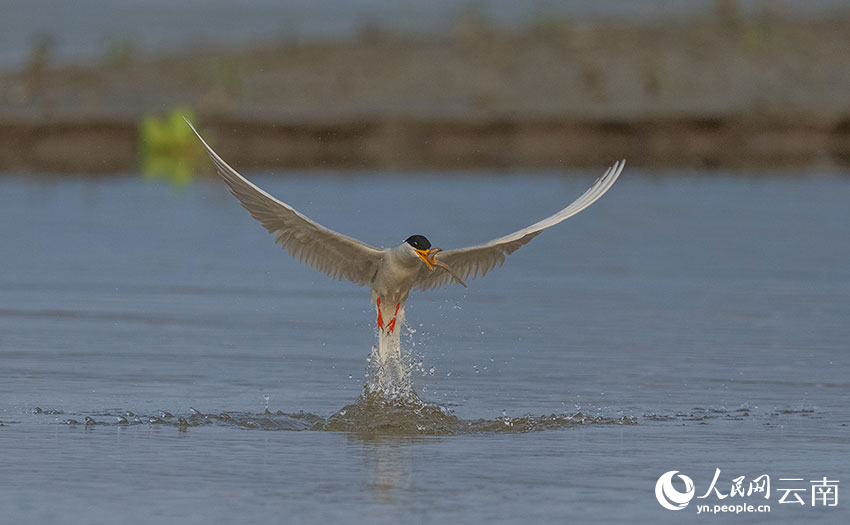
{"type": "Point", "coordinates": [711, 310]}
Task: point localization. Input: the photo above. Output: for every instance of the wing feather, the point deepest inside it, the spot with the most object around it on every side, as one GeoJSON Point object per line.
{"type": "Point", "coordinates": [327, 251]}
{"type": "Point", "coordinates": [476, 261]}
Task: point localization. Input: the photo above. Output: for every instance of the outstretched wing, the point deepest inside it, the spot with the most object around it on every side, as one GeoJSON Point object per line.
{"type": "Point", "coordinates": [331, 253]}
{"type": "Point", "coordinates": [478, 260]}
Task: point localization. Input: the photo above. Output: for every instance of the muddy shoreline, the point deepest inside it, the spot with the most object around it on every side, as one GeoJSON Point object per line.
{"type": "Point", "coordinates": [743, 142]}
{"type": "Point", "coordinates": [724, 90]}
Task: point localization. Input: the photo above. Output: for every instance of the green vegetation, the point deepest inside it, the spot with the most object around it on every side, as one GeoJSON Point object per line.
{"type": "Point", "coordinates": [169, 149]}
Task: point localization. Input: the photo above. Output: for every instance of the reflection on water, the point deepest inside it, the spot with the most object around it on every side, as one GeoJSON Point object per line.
{"type": "Point", "coordinates": [390, 465]}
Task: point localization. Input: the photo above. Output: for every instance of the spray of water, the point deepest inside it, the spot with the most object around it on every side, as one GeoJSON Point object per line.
{"type": "Point", "coordinates": [388, 406]}
{"type": "Point", "coordinates": [389, 371]}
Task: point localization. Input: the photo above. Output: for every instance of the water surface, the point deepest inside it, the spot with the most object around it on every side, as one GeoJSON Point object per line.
{"type": "Point", "coordinates": [684, 322]}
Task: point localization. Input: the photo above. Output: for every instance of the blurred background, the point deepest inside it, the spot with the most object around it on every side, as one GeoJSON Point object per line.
{"type": "Point", "coordinates": [470, 84]}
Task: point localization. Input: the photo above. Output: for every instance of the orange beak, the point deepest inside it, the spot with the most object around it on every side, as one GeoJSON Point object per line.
{"type": "Point", "coordinates": [423, 254]}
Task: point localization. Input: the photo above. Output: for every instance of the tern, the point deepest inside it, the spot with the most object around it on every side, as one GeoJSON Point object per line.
{"type": "Point", "coordinates": [390, 273]}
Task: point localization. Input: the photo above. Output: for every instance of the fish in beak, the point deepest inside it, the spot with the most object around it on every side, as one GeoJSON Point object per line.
{"type": "Point", "coordinates": [423, 254]}
{"type": "Point", "coordinates": [432, 259]}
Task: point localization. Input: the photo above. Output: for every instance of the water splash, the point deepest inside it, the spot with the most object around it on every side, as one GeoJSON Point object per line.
{"type": "Point", "coordinates": [373, 416]}
{"type": "Point", "coordinates": [390, 406]}
{"type": "Point", "coordinates": [389, 372]}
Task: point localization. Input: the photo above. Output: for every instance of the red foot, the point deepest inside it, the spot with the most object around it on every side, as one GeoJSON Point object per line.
{"type": "Point", "coordinates": [391, 324]}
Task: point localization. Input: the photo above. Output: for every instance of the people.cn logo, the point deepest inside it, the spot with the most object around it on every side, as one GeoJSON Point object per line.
{"type": "Point", "coordinates": [670, 498]}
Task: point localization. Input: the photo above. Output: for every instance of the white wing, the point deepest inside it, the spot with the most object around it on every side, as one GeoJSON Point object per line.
{"type": "Point", "coordinates": [478, 260]}
{"type": "Point", "coordinates": [329, 252]}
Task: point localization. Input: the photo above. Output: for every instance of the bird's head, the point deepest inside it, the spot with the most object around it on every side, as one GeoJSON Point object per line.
{"type": "Point", "coordinates": [421, 247]}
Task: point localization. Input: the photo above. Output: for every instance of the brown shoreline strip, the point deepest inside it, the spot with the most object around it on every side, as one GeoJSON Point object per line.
{"type": "Point", "coordinates": [105, 146]}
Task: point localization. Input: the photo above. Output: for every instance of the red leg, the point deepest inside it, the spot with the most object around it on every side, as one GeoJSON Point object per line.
{"type": "Point", "coordinates": [391, 324]}
{"type": "Point", "coordinates": [380, 317]}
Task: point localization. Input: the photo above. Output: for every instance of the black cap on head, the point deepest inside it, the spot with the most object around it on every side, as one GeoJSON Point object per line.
{"type": "Point", "coordinates": [419, 242]}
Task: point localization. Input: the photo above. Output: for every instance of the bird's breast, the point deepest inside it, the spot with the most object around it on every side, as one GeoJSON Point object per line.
{"type": "Point", "coordinates": [394, 278]}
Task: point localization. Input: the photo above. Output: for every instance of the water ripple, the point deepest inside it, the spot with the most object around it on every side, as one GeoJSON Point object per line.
{"type": "Point", "coordinates": [373, 414]}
